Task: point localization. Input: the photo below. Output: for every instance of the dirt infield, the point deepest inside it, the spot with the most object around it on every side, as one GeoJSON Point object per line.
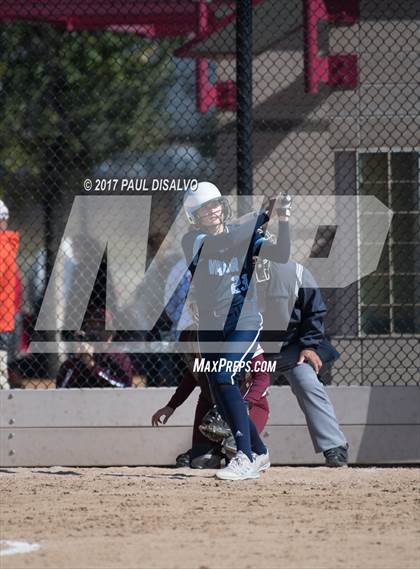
{"type": "Point", "coordinates": [156, 518]}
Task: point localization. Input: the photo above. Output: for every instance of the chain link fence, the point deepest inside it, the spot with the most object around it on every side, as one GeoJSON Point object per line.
{"type": "Point", "coordinates": [321, 100]}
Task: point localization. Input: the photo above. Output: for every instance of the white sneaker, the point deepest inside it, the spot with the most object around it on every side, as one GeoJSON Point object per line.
{"type": "Point", "coordinates": [261, 461]}
{"type": "Point", "coordinates": [239, 468]}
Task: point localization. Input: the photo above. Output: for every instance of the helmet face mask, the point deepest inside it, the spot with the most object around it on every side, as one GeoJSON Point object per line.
{"type": "Point", "coordinates": [199, 203]}
{"type": "Point", "coordinates": [208, 211]}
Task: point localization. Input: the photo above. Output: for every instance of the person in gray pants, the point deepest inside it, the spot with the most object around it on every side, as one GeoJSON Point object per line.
{"type": "Point", "coordinates": [294, 314]}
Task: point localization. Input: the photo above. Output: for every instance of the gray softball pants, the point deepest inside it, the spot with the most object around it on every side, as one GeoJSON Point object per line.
{"type": "Point", "coordinates": [316, 405]}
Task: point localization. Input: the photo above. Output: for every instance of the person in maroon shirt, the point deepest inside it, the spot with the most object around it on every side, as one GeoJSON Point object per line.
{"type": "Point", "coordinates": [254, 388]}
{"type": "Point", "coordinates": [91, 369]}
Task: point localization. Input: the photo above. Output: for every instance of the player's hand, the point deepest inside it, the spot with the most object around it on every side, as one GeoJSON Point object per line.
{"type": "Point", "coordinates": [312, 358]}
{"type": "Point", "coordinates": [161, 416]}
{"type": "Point", "coordinates": [284, 206]}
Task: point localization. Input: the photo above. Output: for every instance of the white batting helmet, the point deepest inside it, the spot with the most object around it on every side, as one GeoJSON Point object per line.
{"type": "Point", "coordinates": [204, 193]}
{"type": "Point", "coordinates": [4, 212]}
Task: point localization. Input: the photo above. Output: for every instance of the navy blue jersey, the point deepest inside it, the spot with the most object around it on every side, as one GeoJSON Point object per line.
{"type": "Point", "coordinates": [222, 265]}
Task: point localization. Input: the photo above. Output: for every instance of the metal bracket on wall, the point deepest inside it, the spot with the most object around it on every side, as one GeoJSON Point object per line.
{"type": "Point", "coordinates": [338, 71]}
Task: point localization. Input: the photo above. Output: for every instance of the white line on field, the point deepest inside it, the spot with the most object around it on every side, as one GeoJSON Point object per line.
{"type": "Point", "coordinates": [14, 547]}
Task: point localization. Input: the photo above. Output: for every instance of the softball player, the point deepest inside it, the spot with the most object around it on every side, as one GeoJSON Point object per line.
{"type": "Point", "coordinates": [220, 258]}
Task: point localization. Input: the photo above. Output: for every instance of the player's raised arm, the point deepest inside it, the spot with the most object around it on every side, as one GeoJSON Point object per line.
{"type": "Point", "coordinates": [279, 251]}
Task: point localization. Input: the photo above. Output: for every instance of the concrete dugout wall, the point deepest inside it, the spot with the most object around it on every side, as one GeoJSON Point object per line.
{"type": "Point", "coordinates": [99, 427]}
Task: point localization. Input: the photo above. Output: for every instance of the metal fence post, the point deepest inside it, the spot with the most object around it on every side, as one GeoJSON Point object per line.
{"type": "Point", "coordinates": [244, 124]}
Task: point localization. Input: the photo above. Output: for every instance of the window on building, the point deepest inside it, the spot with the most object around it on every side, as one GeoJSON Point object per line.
{"type": "Point", "coordinates": [389, 298]}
